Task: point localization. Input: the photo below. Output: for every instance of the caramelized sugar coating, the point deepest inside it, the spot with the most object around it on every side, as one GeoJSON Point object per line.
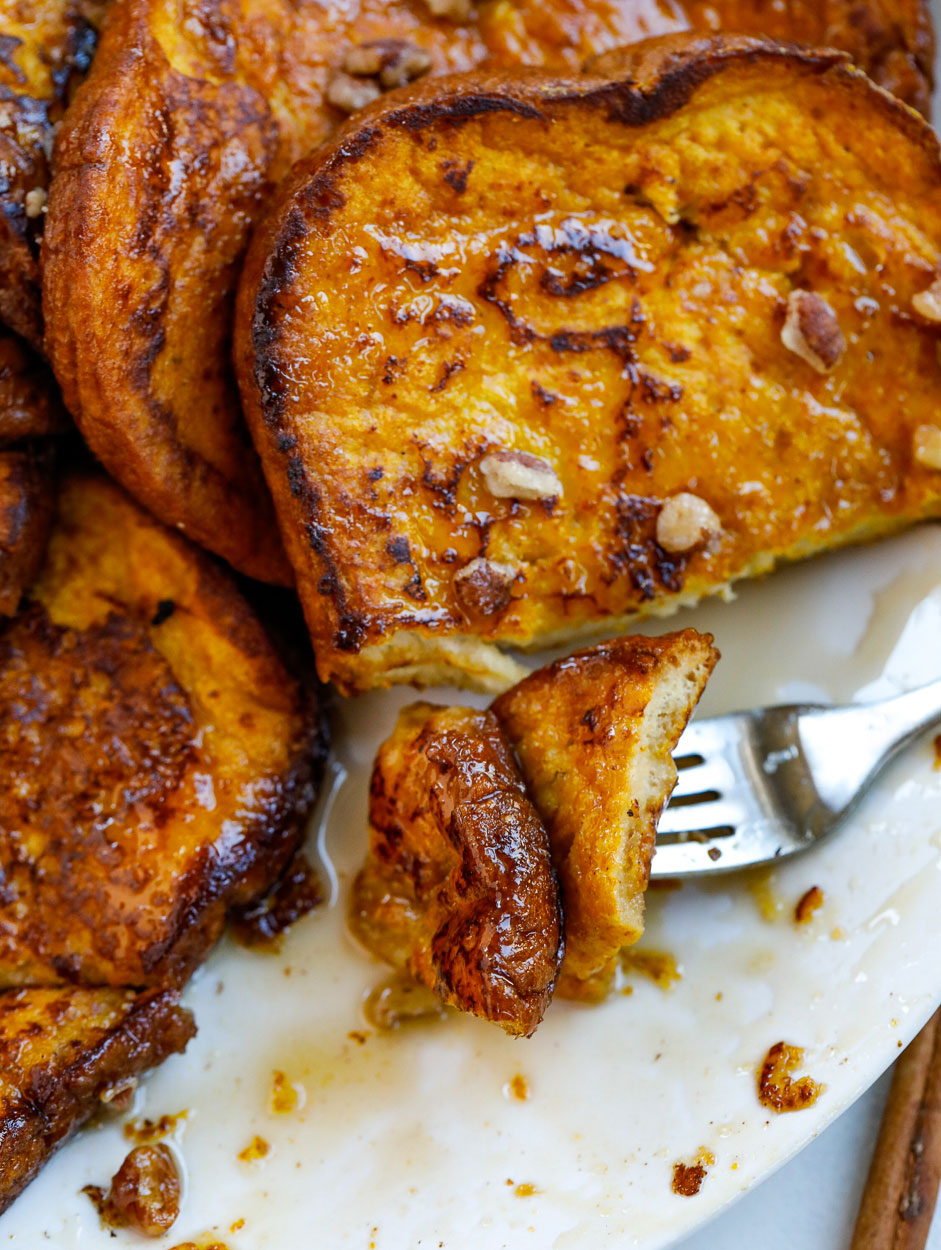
{"type": "Point", "coordinates": [458, 885]}
{"type": "Point", "coordinates": [26, 505]}
{"type": "Point", "coordinates": [603, 290]}
{"type": "Point", "coordinates": [140, 262]}
{"type": "Point", "coordinates": [594, 735]}
{"type": "Point", "coordinates": [61, 1051]}
{"type": "Point", "coordinates": [160, 760]}
{"type": "Point", "coordinates": [47, 46]}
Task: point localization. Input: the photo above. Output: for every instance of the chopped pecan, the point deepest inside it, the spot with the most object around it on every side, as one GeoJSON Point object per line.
{"type": "Point", "coordinates": [685, 521]}
{"type": "Point", "coordinates": [812, 331]}
{"type": "Point", "coordinates": [393, 61]}
{"type": "Point", "coordinates": [484, 586]}
{"type": "Point", "coordinates": [928, 303]}
{"type": "Point", "coordinates": [352, 94]}
{"type": "Point", "coordinates": [144, 1194]}
{"type": "Point", "coordinates": [519, 475]}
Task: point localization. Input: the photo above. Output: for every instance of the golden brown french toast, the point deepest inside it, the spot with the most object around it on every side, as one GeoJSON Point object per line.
{"type": "Point", "coordinates": [458, 887]}
{"type": "Point", "coordinates": [64, 1052]}
{"type": "Point", "coordinates": [158, 759]}
{"type": "Point", "coordinates": [594, 735]}
{"type": "Point", "coordinates": [194, 110]}
{"type": "Point", "coordinates": [46, 47]}
{"type": "Point", "coordinates": [671, 325]}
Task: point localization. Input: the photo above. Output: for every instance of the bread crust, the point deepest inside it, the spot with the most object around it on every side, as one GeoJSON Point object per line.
{"type": "Point", "coordinates": [164, 760]}
{"type": "Point", "coordinates": [573, 302]}
{"type": "Point", "coordinates": [60, 1051]}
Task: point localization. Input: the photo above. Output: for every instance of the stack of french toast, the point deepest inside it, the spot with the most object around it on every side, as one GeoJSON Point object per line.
{"type": "Point", "coordinates": [474, 327]}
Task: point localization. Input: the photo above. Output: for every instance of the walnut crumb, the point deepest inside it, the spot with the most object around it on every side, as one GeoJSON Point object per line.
{"type": "Point", "coordinates": [812, 331]}
{"type": "Point", "coordinates": [685, 521]}
{"type": "Point", "coordinates": [393, 61]}
{"type": "Point", "coordinates": [928, 303]}
{"type": "Point", "coordinates": [352, 94]}
{"type": "Point", "coordinates": [519, 475]}
{"type": "Point", "coordinates": [456, 10]}
{"type": "Point", "coordinates": [484, 586]}
{"type": "Point", "coordinates": [926, 446]}
{"type": "Point", "coordinates": [35, 202]}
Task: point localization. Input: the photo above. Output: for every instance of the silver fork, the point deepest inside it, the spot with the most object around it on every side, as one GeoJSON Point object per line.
{"type": "Point", "coordinates": [758, 786]}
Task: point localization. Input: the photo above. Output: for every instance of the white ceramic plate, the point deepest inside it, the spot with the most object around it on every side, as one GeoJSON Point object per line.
{"type": "Point", "coordinates": [416, 1138]}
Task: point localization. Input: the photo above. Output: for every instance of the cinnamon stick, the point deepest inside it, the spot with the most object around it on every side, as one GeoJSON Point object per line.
{"type": "Point", "coordinates": [902, 1186]}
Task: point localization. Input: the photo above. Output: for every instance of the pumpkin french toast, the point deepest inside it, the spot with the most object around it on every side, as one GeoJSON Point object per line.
{"type": "Point", "coordinates": [159, 760]}
{"type": "Point", "coordinates": [191, 115]}
{"type": "Point", "coordinates": [676, 321]}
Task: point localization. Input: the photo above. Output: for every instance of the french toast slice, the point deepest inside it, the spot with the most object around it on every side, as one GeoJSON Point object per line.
{"type": "Point", "coordinates": [65, 1051]}
{"type": "Point", "coordinates": [47, 48]}
{"type": "Point", "coordinates": [673, 325]}
{"type": "Point", "coordinates": [594, 735]}
{"type": "Point", "coordinates": [458, 887]}
{"type": "Point", "coordinates": [158, 759]}
{"type": "Point", "coordinates": [141, 262]}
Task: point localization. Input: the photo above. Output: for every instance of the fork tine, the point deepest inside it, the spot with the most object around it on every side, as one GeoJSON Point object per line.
{"type": "Point", "coordinates": [714, 774]}
{"type": "Point", "coordinates": [722, 813]}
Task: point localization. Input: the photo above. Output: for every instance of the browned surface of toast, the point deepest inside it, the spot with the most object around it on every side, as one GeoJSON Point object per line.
{"type": "Point", "coordinates": [191, 113]}
{"type": "Point", "coordinates": [458, 886]}
{"type": "Point", "coordinates": [61, 1050]}
{"type": "Point", "coordinates": [490, 407]}
{"type": "Point", "coordinates": [159, 760]}
{"type": "Point", "coordinates": [27, 500]}
{"type": "Point", "coordinates": [45, 48]}
{"type": "Point", "coordinates": [594, 735]}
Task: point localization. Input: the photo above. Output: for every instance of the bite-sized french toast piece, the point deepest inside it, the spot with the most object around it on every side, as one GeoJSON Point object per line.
{"type": "Point", "coordinates": [65, 1051]}
{"type": "Point", "coordinates": [158, 759]}
{"type": "Point", "coordinates": [672, 326]}
{"type": "Point", "coordinates": [594, 735]}
{"type": "Point", "coordinates": [27, 500]}
{"type": "Point", "coordinates": [458, 886]}
{"type": "Point", "coordinates": [140, 264]}
{"type": "Point", "coordinates": [47, 46]}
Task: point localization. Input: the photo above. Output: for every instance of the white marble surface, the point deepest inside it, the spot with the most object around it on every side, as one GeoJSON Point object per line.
{"type": "Point", "coordinates": [811, 1203]}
